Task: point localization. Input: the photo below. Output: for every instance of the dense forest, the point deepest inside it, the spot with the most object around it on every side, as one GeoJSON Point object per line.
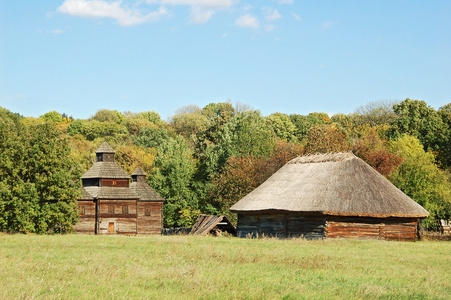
{"type": "Point", "coordinates": [203, 160]}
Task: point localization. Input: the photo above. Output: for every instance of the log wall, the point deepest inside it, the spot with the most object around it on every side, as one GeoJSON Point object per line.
{"type": "Point", "coordinates": [150, 217]}
{"type": "Point", "coordinates": [112, 211]}
{"type": "Point", "coordinates": [315, 226]}
{"type": "Point", "coordinates": [281, 225]}
{"type": "Point", "coordinates": [392, 229]}
{"type": "Point", "coordinates": [87, 221]}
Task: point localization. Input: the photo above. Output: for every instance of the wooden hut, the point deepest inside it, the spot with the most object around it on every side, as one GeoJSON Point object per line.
{"type": "Point", "coordinates": [328, 196]}
{"type": "Point", "coordinates": [111, 205]}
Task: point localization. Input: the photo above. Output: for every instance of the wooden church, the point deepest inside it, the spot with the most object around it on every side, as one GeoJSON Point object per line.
{"type": "Point", "coordinates": [110, 204]}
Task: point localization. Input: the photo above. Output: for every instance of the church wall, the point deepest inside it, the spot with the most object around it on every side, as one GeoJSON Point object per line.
{"type": "Point", "coordinates": [150, 217]}
{"type": "Point", "coordinates": [87, 221]}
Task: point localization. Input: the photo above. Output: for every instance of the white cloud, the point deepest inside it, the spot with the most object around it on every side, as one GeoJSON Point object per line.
{"type": "Point", "coordinates": [297, 17]}
{"type": "Point", "coordinates": [200, 15]}
{"type": "Point", "coordinates": [57, 31]}
{"type": "Point", "coordinates": [205, 3]}
{"type": "Point", "coordinates": [270, 14]}
{"type": "Point", "coordinates": [104, 9]}
{"type": "Point", "coordinates": [248, 20]}
{"type": "Point", "coordinates": [201, 10]}
{"type": "Point", "coordinates": [285, 1]}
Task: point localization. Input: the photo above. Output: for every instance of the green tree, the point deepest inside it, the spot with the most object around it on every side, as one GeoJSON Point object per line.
{"type": "Point", "coordinates": [39, 180]}
{"type": "Point", "coordinates": [249, 135]}
{"type": "Point", "coordinates": [92, 129]}
{"type": "Point", "coordinates": [213, 140]}
{"type": "Point", "coordinates": [53, 116]}
{"type": "Point", "coordinates": [416, 118]}
{"type": "Point", "coordinates": [445, 146]}
{"type": "Point", "coordinates": [282, 126]}
{"type": "Point", "coordinates": [151, 137]}
{"type": "Point", "coordinates": [321, 116]}
{"type": "Point", "coordinates": [151, 116]}
{"type": "Point", "coordinates": [220, 112]}
{"type": "Point", "coordinates": [172, 176]}
{"type": "Point", "coordinates": [188, 120]}
{"type": "Point", "coordinates": [303, 125]}
{"type": "Point", "coordinates": [106, 115]}
{"type": "Point", "coordinates": [419, 177]}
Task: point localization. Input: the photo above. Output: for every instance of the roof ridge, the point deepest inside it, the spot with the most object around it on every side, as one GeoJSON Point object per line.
{"type": "Point", "coordinates": [323, 157]}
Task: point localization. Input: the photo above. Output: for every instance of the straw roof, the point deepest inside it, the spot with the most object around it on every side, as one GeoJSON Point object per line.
{"type": "Point", "coordinates": [333, 184]}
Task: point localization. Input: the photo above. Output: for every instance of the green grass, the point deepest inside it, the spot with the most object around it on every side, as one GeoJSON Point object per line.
{"type": "Point", "coordinates": [174, 267]}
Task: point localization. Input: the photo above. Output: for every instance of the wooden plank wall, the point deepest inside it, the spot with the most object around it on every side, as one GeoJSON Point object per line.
{"type": "Point", "coordinates": [398, 229]}
{"type": "Point", "coordinates": [150, 224]}
{"type": "Point", "coordinates": [404, 230]}
{"type": "Point", "coordinates": [87, 222]}
{"type": "Point", "coordinates": [124, 223]}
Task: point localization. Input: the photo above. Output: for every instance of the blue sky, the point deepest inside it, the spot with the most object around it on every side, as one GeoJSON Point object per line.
{"type": "Point", "coordinates": [289, 56]}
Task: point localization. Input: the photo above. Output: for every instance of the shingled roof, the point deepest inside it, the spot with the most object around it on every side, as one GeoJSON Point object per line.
{"type": "Point", "coordinates": [107, 192]}
{"type": "Point", "coordinates": [86, 195]}
{"type": "Point", "coordinates": [105, 148]}
{"type": "Point", "coordinates": [141, 188]}
{"type": "Point", "coordinates": [105, 170]}
{"type": "Point", "coordinates": [139, 172]}
{"type": "Point", "coordinates": [332, 184]}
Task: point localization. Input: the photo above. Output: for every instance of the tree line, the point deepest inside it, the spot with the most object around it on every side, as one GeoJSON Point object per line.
{"type": "Point", "coordinates": [203, 160]}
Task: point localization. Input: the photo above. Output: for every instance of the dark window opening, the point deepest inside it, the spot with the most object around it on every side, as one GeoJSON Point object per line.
{"type": "Point", "coordinates": [82, 210]}
{"type": "Point", "coordinates": [125, 209]}
{"type": "Point", "coordinates": [111, 209]}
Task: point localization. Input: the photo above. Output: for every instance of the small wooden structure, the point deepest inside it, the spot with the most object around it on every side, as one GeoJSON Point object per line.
{"type": "Point", "coordinates": [445, 227]}
{"type": "Point", "coordinates": [212, 224]}
{"type": "Point", "coordinates": [111, 205]}
{"type": "Point", "coordinates": [328, 196]}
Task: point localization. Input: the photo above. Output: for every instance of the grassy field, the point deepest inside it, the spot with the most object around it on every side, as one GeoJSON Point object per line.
{"type": "Point", "coordinates": [174, 267]}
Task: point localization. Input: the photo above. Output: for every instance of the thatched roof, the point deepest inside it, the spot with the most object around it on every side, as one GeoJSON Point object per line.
{"type": "Point", "coordinates": [140, 187]}
{"type": "Point", "coordinates": [333, 184]}
{"type": "Point", "coordinates": [109, 170]}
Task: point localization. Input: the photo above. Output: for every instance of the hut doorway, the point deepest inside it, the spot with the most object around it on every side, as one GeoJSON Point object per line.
{"type": "Point", "coordinates": [111, 227]}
